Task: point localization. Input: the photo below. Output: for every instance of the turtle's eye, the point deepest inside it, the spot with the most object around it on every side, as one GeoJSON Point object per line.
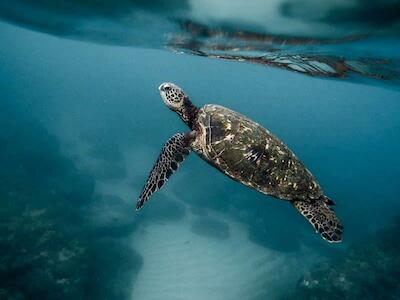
{"type": "Point", "coordinates": [167, 88]}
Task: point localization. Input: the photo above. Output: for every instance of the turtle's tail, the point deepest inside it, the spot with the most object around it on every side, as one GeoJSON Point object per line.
{"type": "Point", "coordinates": [322, 218]}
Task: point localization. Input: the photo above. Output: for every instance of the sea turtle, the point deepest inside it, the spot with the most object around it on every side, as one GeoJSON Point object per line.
{"type": "Point", "coordinates": [246, 152]}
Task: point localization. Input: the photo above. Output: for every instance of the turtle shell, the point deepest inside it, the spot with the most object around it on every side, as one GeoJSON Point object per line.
{"type": "Point", "coordinates": [250, 154]}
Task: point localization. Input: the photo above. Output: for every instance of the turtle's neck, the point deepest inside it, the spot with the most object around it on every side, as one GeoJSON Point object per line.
{"type": "Point", "coordinates": [188, 113]}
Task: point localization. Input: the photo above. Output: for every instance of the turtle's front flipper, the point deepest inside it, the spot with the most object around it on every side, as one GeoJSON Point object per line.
{"type": "Point", "coordinates": [172, 154]}
{"type": "Point", "coordinates": [322, 217]}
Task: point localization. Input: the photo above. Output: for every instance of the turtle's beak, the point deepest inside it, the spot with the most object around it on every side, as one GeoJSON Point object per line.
{"type": "Point", "coordinates": [165, 87]}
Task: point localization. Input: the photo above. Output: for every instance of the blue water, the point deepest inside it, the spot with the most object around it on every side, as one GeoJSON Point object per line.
{"type": "Point", "coordinates": [82, 123]}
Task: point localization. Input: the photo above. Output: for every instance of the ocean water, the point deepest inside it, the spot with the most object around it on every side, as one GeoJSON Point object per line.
{"type": "Point", "coordinates": [82, 123]}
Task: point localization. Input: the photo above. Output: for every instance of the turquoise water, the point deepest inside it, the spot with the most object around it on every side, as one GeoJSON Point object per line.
{"type": "Point", "coordinates": [82, 123]}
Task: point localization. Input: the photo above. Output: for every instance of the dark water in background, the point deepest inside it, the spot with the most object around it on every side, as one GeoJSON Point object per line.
{"type": "Point", "coordinates": [82, 123]}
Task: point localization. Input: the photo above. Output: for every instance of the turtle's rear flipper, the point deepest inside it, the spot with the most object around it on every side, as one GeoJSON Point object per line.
{"type": "Point", "coordinates": [322, 217]}
{"type": "Point", "coordinates": [172, 154]}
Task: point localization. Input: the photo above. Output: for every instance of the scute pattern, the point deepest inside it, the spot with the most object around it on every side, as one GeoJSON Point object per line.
{"type": "Point", "coordinates": [322, 217]}
{"type": "Point", "coordinates": [250, 154]}
{"type": "Point", "coordinates": [173, 153]}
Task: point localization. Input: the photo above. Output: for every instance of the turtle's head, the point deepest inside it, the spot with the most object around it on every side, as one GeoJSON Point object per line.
{"type": "Point", "coordinates": [178, 101]}
{"type": "Point", "coordinates": [173, 96]}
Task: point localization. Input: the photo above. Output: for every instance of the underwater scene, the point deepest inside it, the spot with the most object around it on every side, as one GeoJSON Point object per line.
{"type": "Point", "coordinates": [82, 124]}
